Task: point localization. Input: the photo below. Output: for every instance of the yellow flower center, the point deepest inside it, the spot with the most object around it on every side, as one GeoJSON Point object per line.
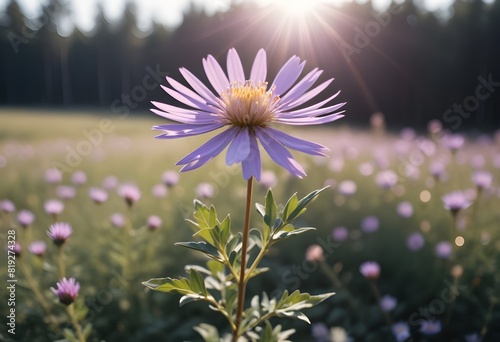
{"type": "Point", "coordinates": [248, 105]}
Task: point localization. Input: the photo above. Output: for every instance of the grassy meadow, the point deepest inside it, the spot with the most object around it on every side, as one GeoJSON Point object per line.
{"type": "Point", "coordinates": [420, 284]}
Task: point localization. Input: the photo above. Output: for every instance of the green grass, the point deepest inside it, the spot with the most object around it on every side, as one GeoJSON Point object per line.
{"type": "Point", "coordinates": [33, 141]}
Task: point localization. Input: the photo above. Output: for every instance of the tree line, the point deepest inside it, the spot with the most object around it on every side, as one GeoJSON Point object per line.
{"type": "Point", "coordinates": [409, 64]}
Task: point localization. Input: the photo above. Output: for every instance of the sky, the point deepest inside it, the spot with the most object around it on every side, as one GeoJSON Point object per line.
{"type": "Point", "coordinates": [170, 12]}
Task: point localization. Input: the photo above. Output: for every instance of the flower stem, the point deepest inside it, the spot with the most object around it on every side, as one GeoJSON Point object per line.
{"type": "Point", "coordinates": [242, 281]}
{"type": "Point", "coordinates": [78, 328]}
{"type": "Point", "coordinates": [62, 268]}
{"type": "Point", "coordinates": [376, 293]}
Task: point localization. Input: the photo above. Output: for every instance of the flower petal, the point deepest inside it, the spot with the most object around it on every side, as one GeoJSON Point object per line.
{"type": "Point", "coordinates": [311, 121]}
{"type": "Point", "coordinates": [187, 100]}
{"type": "Point", "coordinates": [198, 85]}
{"type": "Point", "coordinates": [311, 111]}
{"type": "Point", "coordinates": [252, 165]}
{"type": "Point", "coordinates": [287, 75]}
{"type": "Point", "coordinates": [181, 130]}
{"type": "Point", "coordinates": [279, 153]}
{"type": "Point", "coordinates": [239, 148]}
{"type": "Point", "coordinates": [300, 88]}
{"type": "Point", "coordinates": [215, 74]}
{"type": "Point", "coordinates": [234, 67]}
{"type": "Point", "coordinates": [211, 148]}
{"type": "Point", "coordinates": [309, 95]}
{"type": "Point", "coordinates": [259, 68]}
{"type": "Point", "coordinates": [297, 144]}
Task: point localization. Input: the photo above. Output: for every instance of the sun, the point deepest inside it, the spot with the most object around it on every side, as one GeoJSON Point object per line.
{"type": "Point", "coordinates": [296, 8]}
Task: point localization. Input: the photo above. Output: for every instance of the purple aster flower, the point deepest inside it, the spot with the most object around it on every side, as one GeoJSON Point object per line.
{"type": "Point", "coordinates": [130, 193]}
{"type": "Point", "coordinates": [110, 182]}
{"type": "Point", "coordinates": [366, 169]}
{"type": "Point", "coordinates": [159, 191]}
{"type": "Point", "coordinates": [401, 330]}
{"type": "Point", "coordinates": [482, 179]}
{"type": "Point", "coordinates": [59, 232]}
{"type": "Point", "coordinates": [79, 178]}
{"type": "Point", "coordinates": [117, 220]}
{"type": "Point", "coordinates": [67, 290]}
{"type": "Point", "coordinates": [154, 222]}
{"type": "Point", "coordinates": [25, 218]}
{"type": "Point", "coordinates": [98, 195]}
{"type": "Point", "coordinates": [434, 126]}
{"type": "Point", "coordinates": [437, 169]}
{"type": "Point", "coordinates": [314, 253]}
{"type": "Point", "coordinates": [370, 269]}
{"type": "Point", "coordinates": [456, 201]}
{"type": "Point", "coordinates": [386, 179]}
{"type": "Point", "coordinates": [388, 303]}
{"type": "Point", "coordinates": [205, 190]}
{"type": "Point", "coordinates": [53, 207]}
{"type": "Point", "coordinates": [340, 234]}
{"type": "Point", "coordinates": [53, 176]}
{"type": "Point", "coordinates": [443, 250]}
{"type": "Point", "coordinates": [408, 133]}
{"type": "Point", "coordinates": [430, 327]}
{"type": "Point", "coordinates": [405, 209]}
{"type": "Point", "coordinates": [370, 224]}
{"type": "Point", "coordinates": [415, 242]}
{"type": "Point", "coordinates": [7, 206]}
{"type": "Point", "coordinates": [347, 187]}
{"type": "Point", "coordinates": [246, 107]}
{"type": "Point", "coordinates": [65, 192]}
{"type": "Point", "coordinates": [37, 248]}
{"type": "Point", "coordinates": [170, 178]}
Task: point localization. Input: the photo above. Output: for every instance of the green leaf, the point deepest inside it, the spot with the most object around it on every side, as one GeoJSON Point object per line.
{"type": "Point", "coordinates": [208, 332]}
{"type": "Point", "coordinates": [204, 217]}
{"type": "Point", "coordinates": [215, 268]}
{"type": "Point", "coordinates": [290, 305]}
{"type": "Point", "coordinates": [87, 330]}
{"type": "Point", "coordinates": [286, 234]}
{"type": "Point", "coordinates": [258, 271]}
{"type": "Point", "coordinates": [290, 206]}
{"type": "Point", "coordinates": [69, 335]}
{"type": "Point", "coordinates": [205, 234]}
{"type": "Point", "coordinates": [225, 230]}
{"type": "Point", "coordinates": [293, 314]}
{"type": "Point", "coordinates": [197, 282]}
{"type": "Point", "coordinates": [169, 285]}
{"type": "Point", "coordinates": [203, 247]}
{"type": "Point", "coordinates": [260, 209]}
{"type": "Point", "coordinates": [255, 236]}
{"type": "Point", "coordinates": [270, 215]}
{"type": "Point", "coordinates": [300, 206]}
{"type": "Point", "coordinates": [190, 298]}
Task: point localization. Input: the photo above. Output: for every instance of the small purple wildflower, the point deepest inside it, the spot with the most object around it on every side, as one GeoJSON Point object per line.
{"type": "Point", "coordinates": [59, 232]}
{"type": "Point", "coordinates": [314, 253]}
{"type": "Point", "coordinates": [98, 195]}
{"type": "Point", "coordinates": [472, 338]}
{"type": "Point", "coordinates": [159, 191]}
{"type": "Point", "coordinates": [110, 183]}
{"type": "Point", "coordinates": [388, 303]}
{"type": "Point", "coordinates": [340, 234]}
{"type": "Point", "coordinates": [401, 331]}
{"type": "Point", "coordinates": [170, 178]}
{"type": "Point", "coordinates": [370, 224]}
{"type": "Point", "coordinates": [205, 190]}
{"type": "Point", "coordinates": [25, 218]}
{"type": "Point", "coordinates": [405, 209]}
{"type": "Point", "coordinates": [415, 242]}
{"type": "Point", "coordinates": [386, 179]}
{"type": "Point", "coordinates": [370, 269]}
{"type": "Point", "coordinates": [437, 169]}
{"type": "Point", "coordinates": [154, 222]}
{"type": "Point", "coordinates": [67, 290]}
{"type": "Point", "coordinates": [347, 187]}
{"type": "Point", "coordinates": [79, 178]}
{"type": "Point", "coordinates": [53, 207]}
{"type": "Point", "coordinates": [37, 248]}
{"type": "Point", "coordinates": [482, 179]}
{"type": "Point", "coordinates": [130, 193]}
{"type": "Point", "coordinates": [7, 206]}
{"type": "Point", "coordinates": [456, 201]}
{"type": "Point", "coordinates": [443, 250]}
{"type": "Point", "coordinates": [430, 327]}
{"type": "Point", "coordinates": [53, 176]}
{"type": "Point", "coordinates": [65, 192]}
{"type": "Point", "coordinates": [17, 249]}
{"type": "Point", "coordinates": [320, 332]}
{"type": "Point", "coordinates": [117, 220]}
{"type": "Point", "coordinates": [453, 142]}
{"type": "Point", "coordinates": [246, 107]}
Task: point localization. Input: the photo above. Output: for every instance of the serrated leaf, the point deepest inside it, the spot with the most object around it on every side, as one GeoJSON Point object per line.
{"type": "Point", "coordinates": [205, 217]}
{"type": "Point", "coordinates": [203, 247]}
{"type": "Point", "coordinates": [298, 210]}
{"type": "Point", "coordinates": [197, 282]}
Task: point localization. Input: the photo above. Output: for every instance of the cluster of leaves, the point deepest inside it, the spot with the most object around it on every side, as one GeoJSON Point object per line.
{"type": "Point", "coordinates": [217, 283]}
